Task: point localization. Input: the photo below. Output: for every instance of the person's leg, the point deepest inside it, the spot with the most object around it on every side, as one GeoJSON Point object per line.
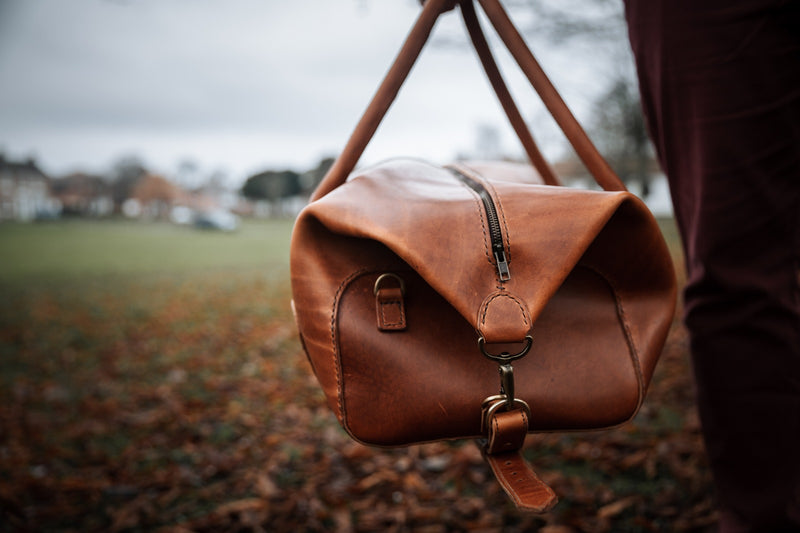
{"type": "Point", "coordinates": [720, 83]}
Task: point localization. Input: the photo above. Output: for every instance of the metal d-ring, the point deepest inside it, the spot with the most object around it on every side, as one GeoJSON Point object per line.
{"type": "Point", "coordinates": [505, 357]}
{"type": "Point", "coordinates": [386, 276]}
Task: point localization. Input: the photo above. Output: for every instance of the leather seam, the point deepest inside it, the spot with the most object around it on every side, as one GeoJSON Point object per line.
{"type": "Point", "coordinates": [623, 317]}
{"type": "Point", "coordinates": [479, 209]}
{"type": "Point", "coordinates": [501, 211]}
{"type": "Point", "coordinates": [504, 295]}
{"type": "Point", "coordinates": [337, 359]}
{"type": "Point", "coordinates": [496, 426]}
{"type": "Point", "coordinates": [499, 206]}
{"type": "Point", "coordinates": [383, 305]}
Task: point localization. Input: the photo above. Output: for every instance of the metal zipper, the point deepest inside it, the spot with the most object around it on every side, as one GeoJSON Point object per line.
{"type": "Point", "coordinates": [495, 231]}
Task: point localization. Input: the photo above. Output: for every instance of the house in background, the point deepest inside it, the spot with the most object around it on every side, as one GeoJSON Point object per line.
{"type": "Point", "coordinates": [25, 192]}
{"type": "Point", "coordinates": [83, 195]}
{"type": "Point", "coordinates": [152, 198]}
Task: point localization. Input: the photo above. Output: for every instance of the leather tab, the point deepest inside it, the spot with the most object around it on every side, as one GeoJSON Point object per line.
{"type": "Point", "coordinates": [390, 309]}
{"type": "Point", "coordinates": [503, 318]}
{"type": "Point", "coordinates": [507, 430]}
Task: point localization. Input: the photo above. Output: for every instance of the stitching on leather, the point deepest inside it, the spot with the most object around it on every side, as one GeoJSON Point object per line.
{"type": "Point", "coordinates": [496, 426]}
{"type": "Point", "coordinates": [479, 208]}
{"type": "Point", "coordinates": [623, 318]}
{"type": "Point", "coordinates": [528, 482]}
{"type": "Point", "coordinates": [496, 197]}
{"type": "Point", "coordinates": [337, 360]}
{"type": "Point", "coordinates": [504, 295]}
{"type": "Point", "coordinates": [386, 323]}
{"type": "Point", "coordinates": [502, 212]}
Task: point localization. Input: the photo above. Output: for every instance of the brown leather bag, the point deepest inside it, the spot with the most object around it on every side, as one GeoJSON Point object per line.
{"type": "Point", "coordinates": [413, 284]}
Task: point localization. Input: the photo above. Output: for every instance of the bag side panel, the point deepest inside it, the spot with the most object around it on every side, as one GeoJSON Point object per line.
{"type": "Point", "coordinates": [322, 263]}
{"type": "Point", "coordinates": [639, 267]}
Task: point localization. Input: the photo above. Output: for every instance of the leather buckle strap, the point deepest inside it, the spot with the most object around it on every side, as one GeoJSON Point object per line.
{"type": "Point", "coordinates": [506, 431]}
{"type": "Point", "coordinates": [520, 482]}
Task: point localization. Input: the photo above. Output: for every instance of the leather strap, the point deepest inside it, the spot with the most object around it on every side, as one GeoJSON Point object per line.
{"type": "Point", "coordinates": [406, 58]}
{"type": "Point", "coordinates": [597, 166]}
{"type": "Point", "coordinates": [504, 96]}
{"type": "Point", "coordinates": [523, 486]}
{"type": "Point", "coordinates": [506, 431]}
{"type": "Point", "coordinates": [506, 435]}
{"type": "Point", "coordinates": [384, 96]}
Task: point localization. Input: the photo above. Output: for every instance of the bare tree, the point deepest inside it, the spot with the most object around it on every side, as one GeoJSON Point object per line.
{"type": "Point", "coordinates": [620, 132]}
{"type": "Point", "coordinates": [596, 31]}
{"type": "Point", "coordinates": [125, 174]}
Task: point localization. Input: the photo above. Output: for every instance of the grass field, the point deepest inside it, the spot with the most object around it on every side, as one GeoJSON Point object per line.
{"type": "Point", "coordinates": [151, 379]}
{"type": "Point", "coordinates": [90, 248]}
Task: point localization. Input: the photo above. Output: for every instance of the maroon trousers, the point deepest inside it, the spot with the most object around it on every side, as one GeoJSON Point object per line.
{"type": "Point", "coordinates": [720, 84]}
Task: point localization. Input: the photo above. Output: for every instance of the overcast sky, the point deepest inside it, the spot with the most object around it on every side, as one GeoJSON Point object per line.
{"type": "Point", "coordinates": [239, 85]}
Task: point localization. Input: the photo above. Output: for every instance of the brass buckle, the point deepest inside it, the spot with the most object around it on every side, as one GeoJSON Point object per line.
{"type": "Point", "coordinates": [504, 400]}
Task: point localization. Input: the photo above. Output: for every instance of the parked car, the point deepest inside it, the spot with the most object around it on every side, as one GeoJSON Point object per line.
{"type": "Point", "coordinates": [218, 219]}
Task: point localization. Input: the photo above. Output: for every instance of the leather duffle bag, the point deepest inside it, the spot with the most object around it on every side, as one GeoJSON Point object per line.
{"type": "Point", "coordinates": [479, 300]}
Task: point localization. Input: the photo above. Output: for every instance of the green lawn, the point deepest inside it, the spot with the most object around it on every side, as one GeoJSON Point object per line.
{"type": "Point", "coordinates": [73, 249]}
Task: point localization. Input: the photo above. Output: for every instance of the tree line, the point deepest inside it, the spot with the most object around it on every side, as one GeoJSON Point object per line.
{"type": "Point", "coordinates": [274, 185]}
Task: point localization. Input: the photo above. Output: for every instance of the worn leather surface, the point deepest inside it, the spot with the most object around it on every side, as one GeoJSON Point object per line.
{"type": "Point", "coordinates": [390, 311]}
{"type": "Point", "coordinates": [506, 431]}
{"type": "Point", "coordinates": [520, 482]}
{"type": "Point", "coordinates": [506, 436]}
{"type": "Point", "coordinates": [590, 274]}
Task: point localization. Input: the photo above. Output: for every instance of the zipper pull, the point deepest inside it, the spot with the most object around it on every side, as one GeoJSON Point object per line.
{"type": "Point", "coordinates": [502, 265]}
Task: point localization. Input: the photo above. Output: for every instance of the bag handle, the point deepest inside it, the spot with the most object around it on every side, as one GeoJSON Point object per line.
{"type": "Point", "coordinates": [504, 96]}
{"type": "Point", "coordinates": [412, 47]}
